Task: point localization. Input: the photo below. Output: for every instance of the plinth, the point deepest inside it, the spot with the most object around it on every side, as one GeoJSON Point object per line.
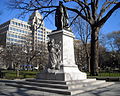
{"type": "Point", "coordinates": [68, 69]}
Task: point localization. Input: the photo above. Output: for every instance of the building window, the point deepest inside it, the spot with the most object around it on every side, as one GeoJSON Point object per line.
{"type": "Point", "coordinates": [40, 38]}
{"type": "Point", "coordinates": [10, 28]}
{"type": "Point", "coordinates": [8, 34]}
{"type": "Point", "coordinates": [18, 24]}
{"type": "Point", "coordinates": [17, 30]}
{"type": "Point", "coordinates": [15, 23]}
{"type": "Point", "coordinates": [25, 26]}
{"type": "Point", "coordinates": [22, 25]}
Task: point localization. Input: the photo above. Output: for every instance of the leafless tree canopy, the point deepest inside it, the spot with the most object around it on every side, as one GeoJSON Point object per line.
{"type": "Point", "coordinates": [114, 40]}
{"type": "Point", "coordinates": [93, 11]}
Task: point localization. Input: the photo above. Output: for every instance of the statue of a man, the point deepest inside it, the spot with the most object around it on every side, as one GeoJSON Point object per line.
{"type": "Point", "coordinates": [61, 17]}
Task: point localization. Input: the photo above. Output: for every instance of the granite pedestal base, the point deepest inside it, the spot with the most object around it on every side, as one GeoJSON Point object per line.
{"type": "Point", "coordinates": [68, 69]}
{"type": "Point", "coordinates": [68, 74]}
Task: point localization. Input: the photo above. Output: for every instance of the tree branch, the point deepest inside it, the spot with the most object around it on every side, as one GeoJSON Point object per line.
{"type": "Point", "coordinates": [105, 18]}
{"type": "Point", "coordinates": [79, 13]}
{"type": "Point", "coordinates": [105, 7]}
{"type": "Point", "coordinates": [73, 20]}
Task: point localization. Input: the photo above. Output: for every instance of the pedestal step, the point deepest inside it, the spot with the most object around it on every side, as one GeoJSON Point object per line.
{"type": "Point", "coordinates": [62, 82]}
{"type": "Point", "coordinates": [61, 87]}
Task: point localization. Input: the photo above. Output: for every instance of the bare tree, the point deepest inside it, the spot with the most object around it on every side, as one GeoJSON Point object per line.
{"type": "Point", "coordinates": [95, 12]}
{"type": "Point", "coordinates": [7, 57]}
{"type": "Point", "coordinates": [37, 57]}
{"type": "Point", "coordinates": [114, 46]}
{"type": "Point", "coordinates": [81, 58]}
{"type": "Point", "coordinates": [1, 59]}
{"type": "Point", "coordinates": [82, 30]}
{"type": "Point", "coordinates": [114, 40]}
{"type": "Point", "coordinates": [12, 58]}
{"type": "Point", "coordinates": [41, 58]}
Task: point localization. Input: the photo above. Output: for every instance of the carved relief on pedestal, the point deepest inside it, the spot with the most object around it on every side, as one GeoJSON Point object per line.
{"type": "Point", "coordinates": [54, 54]}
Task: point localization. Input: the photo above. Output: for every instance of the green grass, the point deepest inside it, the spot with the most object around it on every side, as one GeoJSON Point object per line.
{"type": "Point", "coordinates": [110, 74]}
{"type": "Point", "coordinates": [10, 74]}
{"type": "Point", "coordinates": [105, 74]}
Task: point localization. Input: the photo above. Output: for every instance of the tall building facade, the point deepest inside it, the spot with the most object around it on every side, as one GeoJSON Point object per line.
{"type": "Point", "coordinates": [18, 32]}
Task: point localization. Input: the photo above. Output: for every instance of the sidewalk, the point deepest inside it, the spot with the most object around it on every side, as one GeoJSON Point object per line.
{"type": "Point", "coordinates": [113, 90]}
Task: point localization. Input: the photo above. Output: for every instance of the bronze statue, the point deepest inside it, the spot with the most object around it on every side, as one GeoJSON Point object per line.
{"type": "Point", "coordinates": [61, 17]}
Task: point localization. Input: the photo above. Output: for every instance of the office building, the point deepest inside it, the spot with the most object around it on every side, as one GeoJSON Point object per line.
{"type": "Point", "coordinates": [18, 32]}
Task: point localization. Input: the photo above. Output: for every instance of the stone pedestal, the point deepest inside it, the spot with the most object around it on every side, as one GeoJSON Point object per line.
{"type": "Point", "coordinates": [68, 69]}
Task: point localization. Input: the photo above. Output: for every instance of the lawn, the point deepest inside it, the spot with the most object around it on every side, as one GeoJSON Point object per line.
{"type": "Point", "coordinates": [106, 74]}
{"type": "Point", "coordinates": [11, 74]}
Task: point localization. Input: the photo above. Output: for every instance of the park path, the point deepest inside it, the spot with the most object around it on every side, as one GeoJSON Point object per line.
{"type": "Point", "coordinates": [113, 90]}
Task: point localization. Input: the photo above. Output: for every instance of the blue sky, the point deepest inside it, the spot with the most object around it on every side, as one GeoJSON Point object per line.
{"type": "Point", "coordinates": [113, 24]}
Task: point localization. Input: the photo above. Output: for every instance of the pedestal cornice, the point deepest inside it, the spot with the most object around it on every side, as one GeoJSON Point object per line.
{"type": "Point", "coordinates": [64, 32]}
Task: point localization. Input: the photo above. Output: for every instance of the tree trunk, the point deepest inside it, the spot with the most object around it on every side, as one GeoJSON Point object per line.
{"type": "Point", "coordinates": [18, 73]}
{"type": "Point", "coordinates": [94, 51]}
{"type": "Point", "coordinates": [88, 61]}
{"type": "Point", "coordinates": [87, 56]}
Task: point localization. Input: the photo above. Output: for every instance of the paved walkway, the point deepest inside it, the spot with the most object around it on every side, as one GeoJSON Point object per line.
{"type": "Point", "coordinates": [113, 90]}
